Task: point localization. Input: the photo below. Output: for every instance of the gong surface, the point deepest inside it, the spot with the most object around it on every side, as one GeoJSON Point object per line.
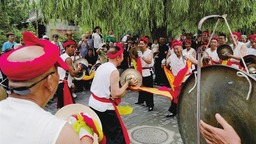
{"type": "Point", "coordinates": [223, 92]}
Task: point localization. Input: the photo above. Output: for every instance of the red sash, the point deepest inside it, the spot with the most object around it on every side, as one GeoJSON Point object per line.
{"type": "Point", "coordinates": [236, 63]}
{"type": "Point", "coordinates": [115, 103]}
{"type": "Point", "coordinates": [67, 97]}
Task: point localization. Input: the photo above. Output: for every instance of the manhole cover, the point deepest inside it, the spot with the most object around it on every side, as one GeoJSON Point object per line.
{"type": "Point", "coordinates": [150, 135]}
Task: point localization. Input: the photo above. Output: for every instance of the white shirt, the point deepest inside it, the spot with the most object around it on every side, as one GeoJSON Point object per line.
{"type": "Point", "coordinates": [154, 47]}
{"type": "Point", "coordinates": [124, 39]}
{"type": "Point", "coordinates": [213, 54]}
{"type": "Point", "coordinates": [97, 40]}
{"type": "Point", "coordinates": [62, 72]}
{"type": "Point", "coordinates": [101, 87]}
{"type": "Point", "coordinates": [146, 72]}
{"type": "Point", "coordinates": [176, 63]}
{"type": "Point", "coordinates": [251, 51]}
{"type": "Point", "coordinates": [24, 122]}
{"type": "Point", "coordinates": [236, 52]}
{"type": "Point", "coordinates": [191, 51]}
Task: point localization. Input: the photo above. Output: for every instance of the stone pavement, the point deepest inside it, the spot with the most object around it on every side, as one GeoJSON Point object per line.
{"type": "Point", "coordinates": [143, 127]}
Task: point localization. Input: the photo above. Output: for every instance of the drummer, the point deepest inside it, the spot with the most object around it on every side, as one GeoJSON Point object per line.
{"type": "Point", "coordinates": [239, 49]}
{"type": "Point", "coordinates": [33, 81]}
{"type": "Point", "coordinates": [177, 62]}
{"type": "Point", "coordinates": [252, 49]}
{"type": "Point", "coordinates": [106, 94]}
{"type": "Point", "coordinates": [212, 51]}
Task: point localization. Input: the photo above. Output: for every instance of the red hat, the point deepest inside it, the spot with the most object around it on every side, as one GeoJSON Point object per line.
{"type": "Point", "coordinates": [238, 34]}
{"type": "Point", "coordinates": [176, 43]}
{"type": "Point", "coordinates": [188, 41]}
{"type": "Point", "coordinates": [68, 43]}
{"type": "Point", "coordinates": [145, 39]}
{"type": "Point", "coordinates": [214, 38]}
{"type": "Point", "coordinates": [251, 36]}
{"type": "Point", "coordinates": [205, 32]}
{"type": "Point", "coordinates": [112, 56]}
{"type": "Point", "coordinates": [25, 70]}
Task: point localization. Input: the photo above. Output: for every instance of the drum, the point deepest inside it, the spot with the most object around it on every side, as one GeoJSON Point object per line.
{"type": "Point", "coordinates": [224, 90]}
{"type": "Point", "coordinates": [3, 94]}
{"type": "Point", "coordinates": [68, 110]}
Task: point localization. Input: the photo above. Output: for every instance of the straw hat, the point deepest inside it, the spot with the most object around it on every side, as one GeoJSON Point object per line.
{"type": "Point", "coordinates": [131, 73]}
{"type": "Point", "coordinates": [68, 110]}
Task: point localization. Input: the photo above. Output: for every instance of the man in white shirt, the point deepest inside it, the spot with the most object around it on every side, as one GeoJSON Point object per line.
{"type": "Point", "coordinates": [239, 50]}
{"type": "Point", "coordinates": [33, 82]}
{"type": "Point", "coordinates": [252, 49]}
{"type": "Point", "coordinates": [106, 94]}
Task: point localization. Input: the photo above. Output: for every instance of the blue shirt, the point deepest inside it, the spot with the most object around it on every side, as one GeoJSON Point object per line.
{"type": "Point", "coordinates": [7, 45]}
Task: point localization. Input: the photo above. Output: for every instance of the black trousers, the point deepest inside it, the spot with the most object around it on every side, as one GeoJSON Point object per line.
{"type": "Point", "coordinates": [160, 74]}
{"type": "Point", "coordinates": [173, 108]}
{"type": "Point", "coordinates": [60, 96]}
{"type": "Point", "coordinates": [111, 126]}
{"type": "Point", "coordinates": [145, 96]}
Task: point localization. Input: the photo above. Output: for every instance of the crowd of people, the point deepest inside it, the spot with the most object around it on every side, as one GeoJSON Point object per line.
{"type": "Point", "coordinates": [114, 57]}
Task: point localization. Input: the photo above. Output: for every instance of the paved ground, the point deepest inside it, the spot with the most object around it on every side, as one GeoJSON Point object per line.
{"type": "Point", "coordinates": [144, 127]}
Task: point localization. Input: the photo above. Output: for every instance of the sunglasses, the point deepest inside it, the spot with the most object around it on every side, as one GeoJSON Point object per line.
{"type": "Point", "coordinates": [26, 89]}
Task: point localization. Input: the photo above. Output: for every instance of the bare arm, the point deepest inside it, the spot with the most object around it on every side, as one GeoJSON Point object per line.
{"type": "Point", "coordinates": [71, 68]}
{"type": "Point", "coordinates": [69, 136]}
{"type": "Point", "coordinates": [148, 59]}
{"type": "Point", "coordinates": [243, 53]}
{"type": "Point", "coordinates": [115, 91]}
{"type": "Point", "coordinates": [192, 59]}
{"type": "Point", "coordinates": [168, 61]}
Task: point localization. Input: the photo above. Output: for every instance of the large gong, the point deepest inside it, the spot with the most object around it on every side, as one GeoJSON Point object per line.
{"type": "Point", "coordinates": [224, 92]}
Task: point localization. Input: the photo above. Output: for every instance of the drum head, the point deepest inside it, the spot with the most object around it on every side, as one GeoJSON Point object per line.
{"type": "Point", "coordinates": [68, 110]}
{"type": "Point", "coordinates": [223, 92]}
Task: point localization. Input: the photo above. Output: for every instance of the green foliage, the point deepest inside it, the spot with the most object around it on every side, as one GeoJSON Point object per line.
{"type": "Point", "coordinates": [144, 16]}
{"type": "Point", "coordinates": [13, 13]}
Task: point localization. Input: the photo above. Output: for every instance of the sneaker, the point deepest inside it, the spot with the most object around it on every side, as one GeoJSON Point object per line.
{"type": "Point", "coordinates": [150, 108]}
{"type": "Point", "coordinates": [170, 115]}
{"type": "Point", "coordinates": [74, 95]}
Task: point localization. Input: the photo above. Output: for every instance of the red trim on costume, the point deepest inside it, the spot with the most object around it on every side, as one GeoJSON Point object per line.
{"type": "Point", "coordinates": [70, 42]}
{"type": "Point", "coordinates": [89, 121]}
{"type": "Point", "coordinates": [139, 65]}
{"type": "Point", "coordinates": [112, 56]}
{"type": "Point", "coordinates": [176, 43]}
{"type": "Point", "coordinates": [114, 102]}
{"type": "Point", "coordinates": [67, 98]}
{"type": "Point", "coordinates": [238, 34]}
{"type": "Point", "coordinates": [26, 70]}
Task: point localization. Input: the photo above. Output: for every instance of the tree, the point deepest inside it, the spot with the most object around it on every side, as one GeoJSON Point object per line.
{"type": "Point", "coordinates": [150, 17]}
{"type": "Point", "coordinates": [12, 14]}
